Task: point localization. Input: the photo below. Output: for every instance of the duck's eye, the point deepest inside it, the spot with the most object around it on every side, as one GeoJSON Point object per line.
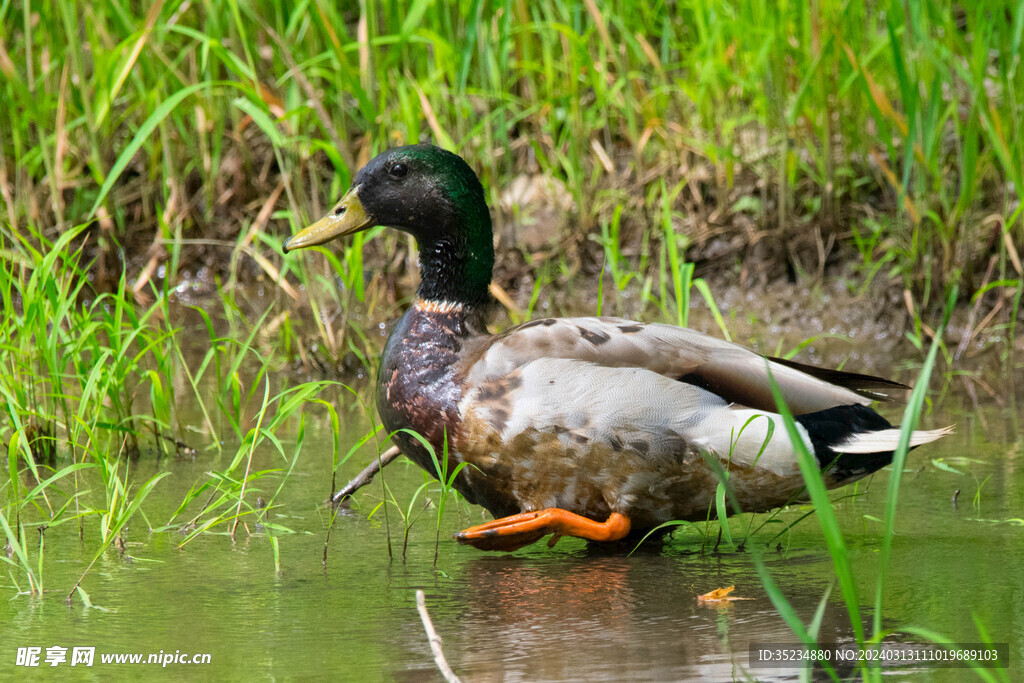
{"type": "Point", "coordinates": [398, 170]}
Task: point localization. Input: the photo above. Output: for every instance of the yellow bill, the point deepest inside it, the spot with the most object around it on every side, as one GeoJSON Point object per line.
{"type": "Point", "coordinates": [347, 217]}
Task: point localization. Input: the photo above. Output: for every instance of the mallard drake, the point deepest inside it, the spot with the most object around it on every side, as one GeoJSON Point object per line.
{"type": "Point", "coordinates": [586, 427]}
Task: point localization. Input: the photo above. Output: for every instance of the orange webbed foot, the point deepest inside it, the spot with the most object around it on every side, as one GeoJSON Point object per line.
{"type": "Point", "coordinates": [516, 531]}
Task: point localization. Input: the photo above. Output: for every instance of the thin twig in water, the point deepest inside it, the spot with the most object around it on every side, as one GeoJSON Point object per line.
{"type": "Point", "coordinates": [435, 640]}
{"type": "Point", "coordinates": [366, 476]}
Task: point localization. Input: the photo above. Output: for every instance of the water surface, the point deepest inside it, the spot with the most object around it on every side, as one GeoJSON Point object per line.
{"type": "Point", "coordinates": [572, 612]}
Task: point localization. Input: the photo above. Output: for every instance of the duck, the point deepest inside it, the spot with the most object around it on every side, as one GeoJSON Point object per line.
{"type": "Point", "coordinates": [588, 427]}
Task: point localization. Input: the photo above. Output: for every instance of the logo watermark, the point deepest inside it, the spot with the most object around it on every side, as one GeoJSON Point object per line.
{"type": "Point", "coordinates": [57, 655]}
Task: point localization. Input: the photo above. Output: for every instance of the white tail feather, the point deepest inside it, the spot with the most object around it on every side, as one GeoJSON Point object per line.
{"type": "Point", "coordinates": [887, 440]}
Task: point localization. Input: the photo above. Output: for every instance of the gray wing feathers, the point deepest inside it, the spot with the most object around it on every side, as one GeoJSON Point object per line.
{"type": "Point", "coordinates": [736, 374]}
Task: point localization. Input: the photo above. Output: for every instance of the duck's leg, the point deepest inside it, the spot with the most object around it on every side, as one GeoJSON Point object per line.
{"type": "Point", "coordinates": [516, 531]}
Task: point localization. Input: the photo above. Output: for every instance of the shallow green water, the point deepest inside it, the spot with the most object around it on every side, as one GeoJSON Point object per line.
{"type": "Point", "coordinates": [571, 612]}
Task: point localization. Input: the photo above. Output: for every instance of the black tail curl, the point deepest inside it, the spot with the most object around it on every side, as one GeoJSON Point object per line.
{"type": "Point", "coordinates": [828, 428]}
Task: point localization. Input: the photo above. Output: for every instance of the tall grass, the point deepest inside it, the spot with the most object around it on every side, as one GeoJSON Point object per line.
{"type": "Point", "coordinates": [91, 383]}
{"type": "Point", "coordinates": [892, 127]}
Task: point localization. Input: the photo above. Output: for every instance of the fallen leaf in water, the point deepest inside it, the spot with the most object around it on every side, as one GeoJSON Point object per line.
{"type": "Point", "coordinates": [720, 595]}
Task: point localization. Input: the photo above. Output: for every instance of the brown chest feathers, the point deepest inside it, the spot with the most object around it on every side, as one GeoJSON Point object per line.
{"type": "Point", "coordinates": [420, 385]}
{"type": "Point", "coordinates": [416, 388]}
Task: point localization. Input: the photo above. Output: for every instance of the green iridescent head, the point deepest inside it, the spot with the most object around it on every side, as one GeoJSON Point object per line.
{"type": "Point", "coordinates": [436, 197]}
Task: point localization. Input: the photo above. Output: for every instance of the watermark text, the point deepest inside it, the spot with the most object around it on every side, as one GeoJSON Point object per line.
{"type": "Point", "coordinates": [57, 655]}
